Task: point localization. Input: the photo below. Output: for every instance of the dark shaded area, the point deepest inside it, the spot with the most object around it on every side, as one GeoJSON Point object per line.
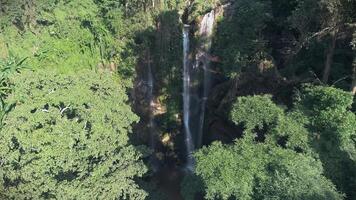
{"type": "Point", "coordinates": [224, 94]}
{"type": "Point", "coordinates": [261, 133]}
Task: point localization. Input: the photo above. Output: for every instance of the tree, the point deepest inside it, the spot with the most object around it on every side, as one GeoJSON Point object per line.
{"type": "Point", "coordinates": [294, 177]}
{"type": "Point", "coordinates": [67, 138]}
{"type": "Point", "coordinates": [353, 43]}
{"type": "Point", "coordinates": [329, 21]}
{"type": "Point", "coordinates": [259, 171]}
{"type": "Point", "coordinates": [335, 18]}
{"type": "Point", "coordinates": [264, 121]}
{"type": "Point", "coordinates": [239, 40]}
{"type": "Point", "coordinates": [333, 126]}
{"type": "Point", "coordinates": [272, 160]}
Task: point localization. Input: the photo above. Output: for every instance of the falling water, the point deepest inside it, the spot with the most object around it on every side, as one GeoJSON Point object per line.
{"type": "Point", "coordinates": [203, 59]}
{"type": "Point", "coordinates": [194, 99]}
{"type": "Point", "coordinates": [186, 99]}
{"type": "Point", "coordinates": [151, 124]}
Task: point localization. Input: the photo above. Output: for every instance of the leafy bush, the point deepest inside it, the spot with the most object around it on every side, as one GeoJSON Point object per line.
{"type": "Point", "coordinates": [67, 138]}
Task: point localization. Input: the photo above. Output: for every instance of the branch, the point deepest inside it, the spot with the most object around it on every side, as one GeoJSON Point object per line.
{"type": "Point", "coordinates": [64, 109]}
{"type": "Point", "coordinates": [341, 79]}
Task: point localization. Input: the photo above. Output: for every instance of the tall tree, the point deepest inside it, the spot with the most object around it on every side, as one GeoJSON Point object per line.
{"type": "Point", "coordinates": [272, 160]}
{"type": "Point", "coordinates": [67, 138]}
{"type": "Point", "coordinates": [333, 126]}
{"type": "Point", "coordinates": [328, 21]}
{"type": "Point", "coordinates": [258, 171]}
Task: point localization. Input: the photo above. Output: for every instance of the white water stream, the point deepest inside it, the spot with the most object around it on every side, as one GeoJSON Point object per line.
{"type": "Point", "coordinates": [186, 98]}
{"type": "Point", "coordinates": [194, 127]}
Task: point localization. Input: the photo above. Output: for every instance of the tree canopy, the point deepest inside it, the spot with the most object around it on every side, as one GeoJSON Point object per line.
{"type": "Point", "coordinates": [87, 85]}
{"type": "Point", "coordinates": [283, 154]}
{"type": "Point", "coordinates": [67, 138]}
{"type": "Point", "coordinates": [260, 171]}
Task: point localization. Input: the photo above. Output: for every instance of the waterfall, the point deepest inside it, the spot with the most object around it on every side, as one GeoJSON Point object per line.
{"type": "Point", "coordinates": [195, 94]}
{"type": "Point", "coordinates": [151, 123]}
{"type": "Point", "coordinates": [186, 99]}
{"type": "Point", "coordinates": [151, 105]}
{"type": "Point", "coordinates": [203, 59]}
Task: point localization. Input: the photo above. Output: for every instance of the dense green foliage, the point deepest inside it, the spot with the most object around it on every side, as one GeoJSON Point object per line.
{"type": "Point", "coordinates": [65, 122]}
{"type": "Point", "coordinates": [299, 37]}
{"type": "Point", "coordinates": [281, 154]}
{"type": "Point", "coordinates": [333, 127]}
{"type": "Point", "coordinates": [258, 171]}
{"type": "Point", "coordinates": [56, 35]}
{"type": "Point", "coordinates": [264, 121]}
{"type": "Point", "coordinates": [8, 67]}
{"type": "Point", "coordinates": [71, 35]}
{"type": "Point", "coordinates": [239, 40]}
{"type": "Point", "coordinates": [67, 138]}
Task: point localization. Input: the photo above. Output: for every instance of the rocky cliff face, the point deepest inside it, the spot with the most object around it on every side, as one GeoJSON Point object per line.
{"type": "Point", "coordinates": [166, 71]}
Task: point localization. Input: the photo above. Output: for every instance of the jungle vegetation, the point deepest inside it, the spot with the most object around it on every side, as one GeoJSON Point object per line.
{"type": "Point", "coordinates": [72, 119]}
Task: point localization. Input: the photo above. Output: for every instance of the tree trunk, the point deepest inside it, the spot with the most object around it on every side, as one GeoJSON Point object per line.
{"type": "Point", "coordinates": [353, 43]}
{"type": "Point", "coordinates": [353, 85]}
{"type": "Point", "coordinates": [329, 58]}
